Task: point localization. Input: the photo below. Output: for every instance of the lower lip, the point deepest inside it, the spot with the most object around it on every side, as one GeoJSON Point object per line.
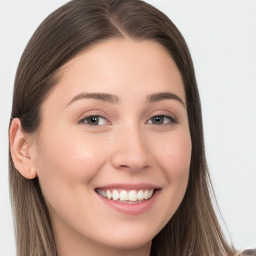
{"type": "Point", "coordinates": [130, 208]}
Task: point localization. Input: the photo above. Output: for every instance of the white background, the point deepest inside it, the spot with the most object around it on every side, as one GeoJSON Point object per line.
{"type": "Point", "coordinates": [222, 38]}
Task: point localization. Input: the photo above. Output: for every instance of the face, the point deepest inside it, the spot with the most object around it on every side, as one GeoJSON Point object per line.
{"type": "Point", "coordinates": [113, 149]}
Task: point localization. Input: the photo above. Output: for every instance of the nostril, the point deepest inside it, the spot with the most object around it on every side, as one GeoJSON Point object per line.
{"type": "Point", "coordinates": [124, 166]}
{"type": "Point", "coordinates": [133, 167]}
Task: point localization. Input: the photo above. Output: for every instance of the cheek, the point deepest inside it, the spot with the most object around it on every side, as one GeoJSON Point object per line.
{"type": "Point", "coordinates": [174, 158]}
{"type": "Point", "coordinates": [67, 163]}
{"type": "Point", "coordinates": [174, 155]}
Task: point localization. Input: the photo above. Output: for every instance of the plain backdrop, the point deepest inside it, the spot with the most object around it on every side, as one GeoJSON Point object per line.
{"type": "Point", "coordinates": [222, 38]}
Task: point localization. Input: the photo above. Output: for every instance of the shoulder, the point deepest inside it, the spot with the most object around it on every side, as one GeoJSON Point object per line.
{"type": "Point", "coordinates": [247, 252]}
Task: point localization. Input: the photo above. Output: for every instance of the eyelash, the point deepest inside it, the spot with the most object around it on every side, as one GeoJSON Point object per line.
{"type": "Point", "coordinates": [172, 120]}
{"type": "Point", "coordinates": [83, 120]}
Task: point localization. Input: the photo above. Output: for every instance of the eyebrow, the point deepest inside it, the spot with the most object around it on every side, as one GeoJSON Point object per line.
{"type": "Point", "coordinates": [106, 97]}
{"type": "Point", "coordinates": [164, 96]}
{"type": "Point", "coordinates": [97, 96]}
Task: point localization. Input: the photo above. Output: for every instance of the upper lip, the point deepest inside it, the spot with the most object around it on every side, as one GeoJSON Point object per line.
{"type": "Point", "coordinates": [127, 186]}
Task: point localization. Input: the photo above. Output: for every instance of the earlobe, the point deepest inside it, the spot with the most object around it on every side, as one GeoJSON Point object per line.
{"type": "Point", "coordinates": [20, 148]}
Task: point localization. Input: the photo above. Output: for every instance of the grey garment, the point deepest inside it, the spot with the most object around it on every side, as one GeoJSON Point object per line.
{"type": "Point", "coordinates": [248, 252]}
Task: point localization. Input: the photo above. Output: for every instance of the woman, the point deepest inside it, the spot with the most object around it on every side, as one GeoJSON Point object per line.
{"type": "Point", "coordinates": [106, 140]}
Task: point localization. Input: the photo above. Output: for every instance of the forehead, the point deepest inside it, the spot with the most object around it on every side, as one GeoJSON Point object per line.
{"type": "Point", "coordinates": [120, 66]}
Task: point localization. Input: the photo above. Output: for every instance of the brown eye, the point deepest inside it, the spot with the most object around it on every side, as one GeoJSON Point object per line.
{"type": "Point", "coordinates": [158, 120]}
{"type": "Point", "coordinates": [161, 119]}
{"type": "Point", "coordinates": [94, 120]}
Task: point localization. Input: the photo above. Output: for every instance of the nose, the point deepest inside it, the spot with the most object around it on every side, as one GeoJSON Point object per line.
{"type": "Point", "coordinates": [130, 150]}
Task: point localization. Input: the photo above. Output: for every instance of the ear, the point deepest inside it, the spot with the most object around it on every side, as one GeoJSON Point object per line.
{"type": "Point", "coordinates": [20, 148]}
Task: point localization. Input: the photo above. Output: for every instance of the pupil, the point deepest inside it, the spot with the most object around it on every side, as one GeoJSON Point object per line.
{"type": "Point", "coordinates": [94, 120]}
{"type": "Point", "coordinates": [158, 119]}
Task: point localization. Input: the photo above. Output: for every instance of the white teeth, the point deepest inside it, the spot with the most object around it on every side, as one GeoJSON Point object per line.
{"type": "Point", "coordinates": [109, 194]}
{"type": "Point", "coordinates": [126, 195]}
{"type": "Point", "coordinates": [132, 195]}
{"type": "Point", "coordinates": [123, 195]}
{"type": "Point", "coordinates": [145, 194]}
{"type": "Point", "coordinates": [150, 193]}
{"type": "Point", "coordinates": [115, 195]}
{"type": "Point", "coordinates": [140, 195]}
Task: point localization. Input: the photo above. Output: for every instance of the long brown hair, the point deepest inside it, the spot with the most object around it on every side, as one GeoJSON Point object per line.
{"type": "Point", "coordinates": [194, 228]}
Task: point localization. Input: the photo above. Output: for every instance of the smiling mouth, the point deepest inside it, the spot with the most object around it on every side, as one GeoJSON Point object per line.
{"type": "Point", "coordinates": [126, 196]}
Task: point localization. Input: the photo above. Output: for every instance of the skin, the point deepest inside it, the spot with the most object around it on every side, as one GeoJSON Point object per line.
{"type": "Point", "coordinates": [72, 157]}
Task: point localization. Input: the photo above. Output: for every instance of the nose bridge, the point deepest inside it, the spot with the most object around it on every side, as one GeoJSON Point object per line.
{"type": "Point", "coordinates": [130, 148]}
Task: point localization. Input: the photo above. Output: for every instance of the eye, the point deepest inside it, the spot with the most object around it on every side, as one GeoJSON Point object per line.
{"type": "Point", "coordinates": [95, 120]}
{"type": "Point", "coordinates": [161, 119]}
